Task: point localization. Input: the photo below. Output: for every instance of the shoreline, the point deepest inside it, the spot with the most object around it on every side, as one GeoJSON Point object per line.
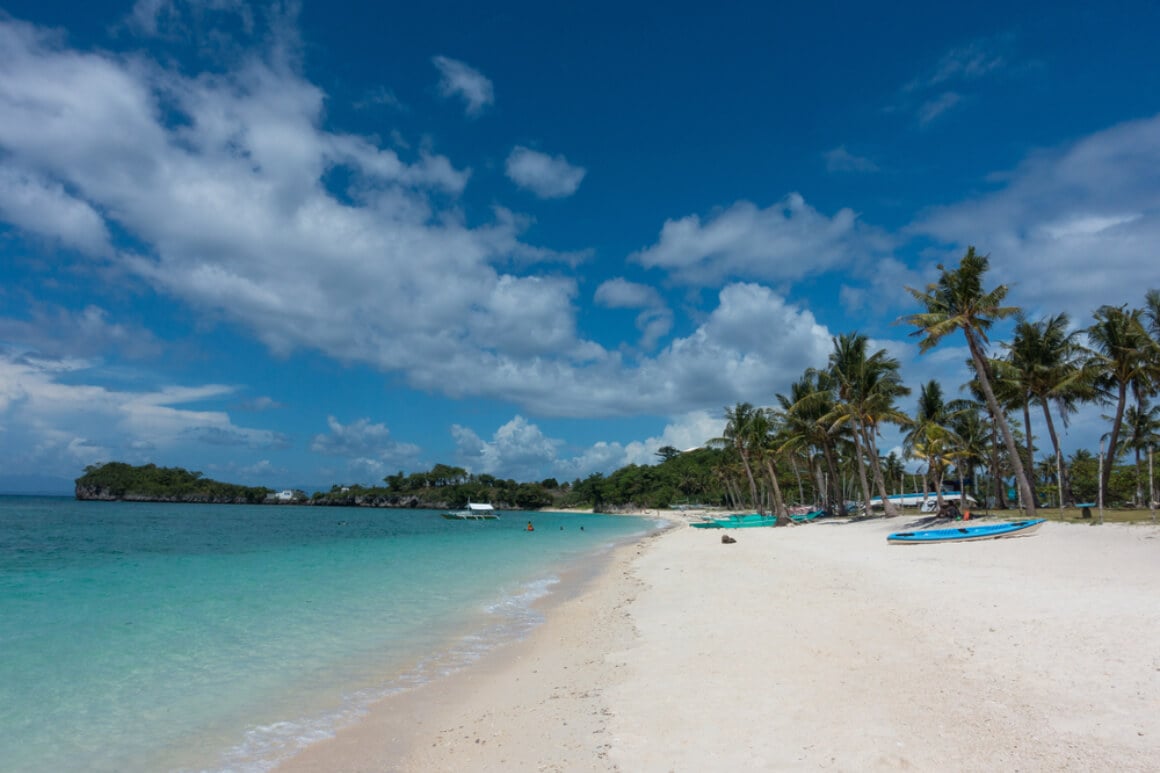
{"type": "Point", "coordinates": [847, 653]}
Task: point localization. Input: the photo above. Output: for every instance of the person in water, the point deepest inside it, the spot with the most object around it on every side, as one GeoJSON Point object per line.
{"type": "Point", "coordinates": [530, 527]}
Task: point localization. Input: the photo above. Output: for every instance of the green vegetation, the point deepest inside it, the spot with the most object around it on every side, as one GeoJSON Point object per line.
{"type": "Point", "coordinates": [117, 480]}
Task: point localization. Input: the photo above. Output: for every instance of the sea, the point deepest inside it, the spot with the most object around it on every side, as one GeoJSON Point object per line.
{"type": "Point", "coordinates": [145, 636]}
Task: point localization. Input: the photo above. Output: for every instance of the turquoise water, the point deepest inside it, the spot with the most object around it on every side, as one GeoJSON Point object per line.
{"type": "Point", "coordinates": [199, 637]}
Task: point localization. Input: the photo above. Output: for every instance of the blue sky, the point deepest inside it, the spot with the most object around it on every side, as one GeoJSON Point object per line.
{"type": "Point", "coordinates": [298, 244]}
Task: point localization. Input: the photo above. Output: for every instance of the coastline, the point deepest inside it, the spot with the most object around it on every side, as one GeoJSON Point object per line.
{"type": "Point", "coordinates": [806, 647]}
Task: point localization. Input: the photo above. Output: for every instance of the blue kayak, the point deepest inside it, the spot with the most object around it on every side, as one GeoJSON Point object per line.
{"type": "Point", "coordinates": [967, 533]}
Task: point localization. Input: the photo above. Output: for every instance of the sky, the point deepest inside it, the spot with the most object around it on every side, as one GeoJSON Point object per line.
{"type": "Point", "coordinates": [299, 244]}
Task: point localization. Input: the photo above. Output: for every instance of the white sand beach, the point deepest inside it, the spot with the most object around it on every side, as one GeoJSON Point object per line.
{"type": "Point", "coordinates": [810, 647]}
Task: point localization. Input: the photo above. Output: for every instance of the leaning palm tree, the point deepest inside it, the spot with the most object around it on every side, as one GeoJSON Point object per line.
{"type": "Point", "coordinates": [958, 302]}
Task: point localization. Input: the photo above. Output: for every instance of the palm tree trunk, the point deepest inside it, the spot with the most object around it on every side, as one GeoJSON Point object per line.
{"type": "Point", "coordinates": [835, 481]}
{"type": "Point", "coordinates": [861, 467]}
{"type": "Point", "coordinates": [1064, 486]}
{"type": "Point", "coordinates": [797, 474]}
{"type": "Point", "coordinates": [778, 504]}
{"type": "Point", "coordinates": [1030, 460]}
{"type": "Point", "coordinates": [1115, 436]}
{"type": "Point", "coordinates": [1008, 439]}
{"type": "Point", "coordinates": [872, 449]}
{"type": "Point", "coordinates": [752, 481]}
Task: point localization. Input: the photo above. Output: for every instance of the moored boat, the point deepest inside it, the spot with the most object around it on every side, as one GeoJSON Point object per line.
{"type": "Point", "coordinates": [753, 520]}
{"type": "Point", "coordinates": [967, 533]}
{"type": "Point", "coordinates": [474, 511]}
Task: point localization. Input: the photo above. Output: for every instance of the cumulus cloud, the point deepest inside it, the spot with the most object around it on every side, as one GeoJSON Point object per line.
{"type": "Point", "coordinates": [549, 177]}
{"type": "Point", "coordinates": [1071, 229]}
{"type": "Point", "coordinates": [788, 240]}
{"type": "Point", "coordinates": [360, 438]}
{"type": "Point", "coordinates": [466, 83]}
{"type": "Point", "coordinates": [518, 450]}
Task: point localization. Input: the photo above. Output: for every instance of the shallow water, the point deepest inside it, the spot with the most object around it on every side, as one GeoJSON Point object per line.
{"type": "Point", "coordinates": [159, 636]}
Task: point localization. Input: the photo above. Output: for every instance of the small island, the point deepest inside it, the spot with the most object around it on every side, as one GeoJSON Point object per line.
{"type": "Point", "coordinates": [117, 481]}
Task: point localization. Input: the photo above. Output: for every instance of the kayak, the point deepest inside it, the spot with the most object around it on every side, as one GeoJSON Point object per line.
{"type": "Point", "coordinates": [968, 533]}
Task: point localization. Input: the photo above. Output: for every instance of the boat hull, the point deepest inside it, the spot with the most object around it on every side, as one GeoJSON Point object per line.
{"type": "Point", "coordinates": [470, 517]}
{"type": "Point", "coordinates": [967, 533]}
{"type": "Point", "coordinates": [751, 521]}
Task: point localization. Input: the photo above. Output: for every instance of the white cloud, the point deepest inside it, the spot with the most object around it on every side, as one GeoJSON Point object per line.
{"type": "Point", "coordinates": [46, 407]}
{"type": "Point", "coordinates": [788, 240]}
{"type": "Point", "coordinates": [518, 450]}
{"type": "Point", "coordinates": [44, 208]}
{"type": "Point", "coordinates": [549, 177]}
{"type": "Point", "coordinates": [1070, 229]}
{"type": "Point", "coordinates": [362, 440]}
{"type": "Point", "coordinates": [619, 293]}
{"type": "Point", "coordinates": [654, 321]}
{"type": "Point", "coordinates": [467, 83]}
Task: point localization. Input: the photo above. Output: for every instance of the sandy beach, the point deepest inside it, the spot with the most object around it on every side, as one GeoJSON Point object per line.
{"type": "Point", "coordinates": [805, 648]}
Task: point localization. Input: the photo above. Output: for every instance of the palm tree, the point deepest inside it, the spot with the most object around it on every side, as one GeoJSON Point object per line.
{"type": "Point", "coordinates": [867, 386]}
{"type": "Point", "coordinates": [958, 302]}
{"type": "Point", "coordinates": [1046, 362]}
{"type": "Point", "coordinates": [930, 438]}
{"type": "Point", "coordinates": [739, 421]}
{"type": "Point", "coordinates": [1142, 425]}
{"type": "Point", "coordinates": [809, 401]}
{"type": "Point", "coordinates": [894, 471]}
{"type": "Point", "coordinates": [1122, 358]}
{"type": "Point", "coordinates": [973, 439]}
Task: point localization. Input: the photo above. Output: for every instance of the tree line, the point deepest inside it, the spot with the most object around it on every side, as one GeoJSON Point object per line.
{"type": "Point", "coordinates": [822, 435]}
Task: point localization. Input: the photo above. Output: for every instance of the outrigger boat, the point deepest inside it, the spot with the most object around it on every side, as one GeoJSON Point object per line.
{"type": "Point", "coordinates": [473, 512]}
{"type": "Point", "coordinates": [737, 522]}
{"type": "Point", "coordinates": [753, 520]}
{"type": "Point", "coordinates": [967, 533]}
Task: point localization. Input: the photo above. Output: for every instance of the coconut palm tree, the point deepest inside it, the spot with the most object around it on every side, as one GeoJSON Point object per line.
{"type": "Point", "coordinates": [1122, 358]}
{"type": "Point", "coordinates": [809, 401]}
{"type": "Point", "coordinates": [894, 471]}
{"type": "Point", "coordinates": [958, 302]}
{"type": "Point", "coordinates": [739, 434]}
{"type": "Point", "coordinates": [1141, 432]}
{"type": "Point", "coordinates": [1046, 362]}
{"type": "Point", "coordinates": [866, 386]}
{"type": "Point", "coordinates": [930, 438]}
{"type": "Point", "coordinates": [972, 433]}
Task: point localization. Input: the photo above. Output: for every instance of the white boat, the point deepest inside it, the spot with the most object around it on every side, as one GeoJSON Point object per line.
{"type": "Point", "coordinates": [928, 503]}
{"type": "Point", "coordinates": [474, 511]}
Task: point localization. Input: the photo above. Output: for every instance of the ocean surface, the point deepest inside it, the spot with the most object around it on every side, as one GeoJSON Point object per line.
{"type": "Point", "coordinates": [137, 636]}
